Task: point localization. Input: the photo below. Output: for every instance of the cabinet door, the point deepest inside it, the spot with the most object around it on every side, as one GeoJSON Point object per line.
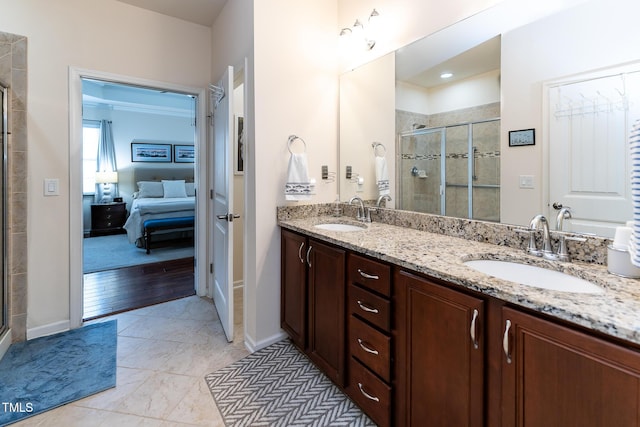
{"type": "Point", "coordinates": [440, 366]}
{"type": "Point", "coordinates": [293, 292]}
{"type": "Point", "coordinates": [556, 376]}
{"type": "Point", "coordinates": [326, 309]}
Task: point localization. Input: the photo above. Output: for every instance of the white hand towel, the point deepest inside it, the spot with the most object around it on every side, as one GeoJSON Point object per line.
{"type": "Point", "coordinates": [382, 176]}
{"type": "Point", "coordinates": [298, 185]}
{"type": "Point", "coordinates": [634, 146]}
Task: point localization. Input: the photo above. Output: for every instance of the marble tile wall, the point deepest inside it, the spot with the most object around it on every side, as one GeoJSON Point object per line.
{"type": "Point", "coordinates": [13, 74]}
{"type": "Point", "coordinates": [593, 250]}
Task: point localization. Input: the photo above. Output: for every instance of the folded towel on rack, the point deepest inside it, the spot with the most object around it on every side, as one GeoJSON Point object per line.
{"type": "Point", "coordinates": [298, 185]}
{"type": "Point", "coordinates": [382, 176]}
{"type": "Point", "coordinates": [634, 146]}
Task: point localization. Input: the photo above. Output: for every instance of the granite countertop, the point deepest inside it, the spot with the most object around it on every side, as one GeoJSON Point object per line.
{"type": "Point", "coordinates": [615, 312]}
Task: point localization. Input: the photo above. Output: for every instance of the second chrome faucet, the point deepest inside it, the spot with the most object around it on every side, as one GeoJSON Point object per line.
{"type": "Point", "coordinates": [539, 221]}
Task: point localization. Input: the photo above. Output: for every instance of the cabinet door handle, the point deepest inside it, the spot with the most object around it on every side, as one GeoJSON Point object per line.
{"type": "Point", "coordinates": [309, 252]}
{"type": "Point", "coordinates": [367, 395]}
{"type": "Point", "coordinates": [473, 330]}
{"type": "Point", "coordinates": [366, 348]}
{"type": "Point", "coordinates": [300, 252]}
{"type": "Point", "coordinates": [366, 308]}
{"type": "Point", "coordinates": [505, 340]}
{"type": "Point", "coordinates": [367, 276]}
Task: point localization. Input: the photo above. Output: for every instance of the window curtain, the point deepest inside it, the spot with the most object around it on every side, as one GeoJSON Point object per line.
{"type": "Point", "coordinates": [106, 160]}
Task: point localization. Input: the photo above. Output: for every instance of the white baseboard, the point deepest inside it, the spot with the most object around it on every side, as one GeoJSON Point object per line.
{"type": "Point", "coordinates": [5, 342]}
{"type": "Point", "coordinates": [253, 346]}
{"type": "Point", "coordinates": [50, 329]}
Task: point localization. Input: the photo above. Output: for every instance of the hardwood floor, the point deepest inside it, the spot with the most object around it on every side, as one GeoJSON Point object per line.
{"type": "Point", "coordinates": [114, 291]}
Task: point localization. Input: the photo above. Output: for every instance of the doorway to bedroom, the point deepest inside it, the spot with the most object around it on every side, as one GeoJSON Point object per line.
{"type": "Point", "coordinates": [138, 196]}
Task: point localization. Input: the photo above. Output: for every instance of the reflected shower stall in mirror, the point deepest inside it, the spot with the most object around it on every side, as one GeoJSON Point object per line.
{"type": "Point", "coordinates": [451, 170]}
{"type": "Point", "coordinates": [3, 189]}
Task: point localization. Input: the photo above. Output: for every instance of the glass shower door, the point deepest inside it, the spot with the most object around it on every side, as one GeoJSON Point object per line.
{"type": "Point", "coordinates": [420, 167]}
{"type": "Point", "coordinates": [457, 171]}
{"type": "Point", "coordinates": [486, 170]}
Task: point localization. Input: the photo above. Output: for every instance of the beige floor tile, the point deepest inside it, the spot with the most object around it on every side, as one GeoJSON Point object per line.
{"type": "Point", "coordinates": [197, 407]}
{"type": "Point", "coordinates": [67, 416]}
{"type": "Point", "coordinates": [157, 396]}
{"type": "Point", "coordinates": [164, 352]}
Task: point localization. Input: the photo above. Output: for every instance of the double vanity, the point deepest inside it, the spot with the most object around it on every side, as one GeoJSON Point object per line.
{"type": "Point", "coordinates": [426, 320]}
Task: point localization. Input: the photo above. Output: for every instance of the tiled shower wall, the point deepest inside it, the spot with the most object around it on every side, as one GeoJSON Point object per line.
{"type": "Point", "coordinates": [422, 193]}
{"type": "Point", "coordinates": [13, 74]}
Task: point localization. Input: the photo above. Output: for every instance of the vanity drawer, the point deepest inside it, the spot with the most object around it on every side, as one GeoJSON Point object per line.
{"type": "Point", "coordinates": [370, 274]}
{"type": "Point", "coordinates": [370, 393]}
{"type": "Point", "coordinates": [372, 308]}
{"type": "Point", "coordinates": [371, 347]}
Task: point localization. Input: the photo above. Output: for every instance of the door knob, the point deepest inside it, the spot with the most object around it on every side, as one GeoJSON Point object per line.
{"type": "Point", "coordinates": [557, 206]}
{"type": "Point", "coordinates": [228, 217]}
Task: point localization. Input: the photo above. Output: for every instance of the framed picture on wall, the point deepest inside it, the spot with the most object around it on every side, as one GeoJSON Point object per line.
{"type": "Point", "coordinates": [239, 146]}
{"type": "Point", "coordinates": [147, 152]}
{"type": "Point", "coordinates": [519, 138]}
{"type": "Point", "coordinates": [184, 153]}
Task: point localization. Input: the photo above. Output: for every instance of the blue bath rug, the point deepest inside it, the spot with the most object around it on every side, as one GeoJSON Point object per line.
{"type": "Point", "coordinates": [47, 372]}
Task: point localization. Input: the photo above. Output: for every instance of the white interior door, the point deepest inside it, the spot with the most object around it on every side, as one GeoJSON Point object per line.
{"type": "Point", "coordinates": [589, 168]}
{"type": "Point", "coordinates": [222, 200]}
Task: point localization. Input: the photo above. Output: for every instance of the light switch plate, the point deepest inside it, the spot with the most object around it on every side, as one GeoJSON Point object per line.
{"type": "Point", "coordinates": [51, 187]}
{"type": "Point", "coordinates": [526, 181]}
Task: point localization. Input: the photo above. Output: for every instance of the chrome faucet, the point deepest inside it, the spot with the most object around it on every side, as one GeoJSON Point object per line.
{"type": "Point", "coordinates": [360, 216]}
{"type": "Point", "coordinates": [384, 197]}
{"type": "Point", "coordinates": [564, 213]}
{"type": "Point", "coordinates": [563, 252]}
{"type": "Point", "coordinates": [547, 249]}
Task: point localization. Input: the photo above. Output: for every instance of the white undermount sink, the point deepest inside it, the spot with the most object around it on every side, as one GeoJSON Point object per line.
{"type": "Point", "coordinates": [339, 227]}
{"type": "Point", "coordinates": [531, 275]}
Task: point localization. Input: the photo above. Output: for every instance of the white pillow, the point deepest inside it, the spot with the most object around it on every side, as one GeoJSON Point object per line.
{"type": "Point", "coordinates": [190, 187]}
{"type": "Point", "coordinates": [150, 189]}
{"type": "Point", "coordinates": [174, 189]}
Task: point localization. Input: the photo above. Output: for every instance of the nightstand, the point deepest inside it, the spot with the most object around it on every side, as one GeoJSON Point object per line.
{"type": "Point", "coordinates": [108, 218]}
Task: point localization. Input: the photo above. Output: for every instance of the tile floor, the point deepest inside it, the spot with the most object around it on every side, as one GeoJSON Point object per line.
{"type": "Point", "coordinates": [164, 352]}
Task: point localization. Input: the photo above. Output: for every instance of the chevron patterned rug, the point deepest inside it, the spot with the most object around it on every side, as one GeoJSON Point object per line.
{"type": "Point", "coordinates": [279, 386]}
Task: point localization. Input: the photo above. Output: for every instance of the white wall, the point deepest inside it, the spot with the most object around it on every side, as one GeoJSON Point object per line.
{"type": "Point", "coordinates": [596, 35]}
{"type": "Point", "coordinates": [367, 114]}
{"type": "Point", "coordinates": [107, 36]}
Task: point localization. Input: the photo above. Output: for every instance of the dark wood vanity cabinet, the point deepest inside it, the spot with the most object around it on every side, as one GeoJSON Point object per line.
{"type": "Point", "coordinates": [325, 346]}
{"type": "Point", "coordinates": [440, 361]}
{"type": "Point", "coordinates": [293, 289]}
{"type": "Point", "coordinates": [412, 350]}
{"type": "Point", "coordinates": [556, 376]}
{"type": "Point", "coordinates": [369, 348]}
{"type": "Point", "coordinates": [313, 301]}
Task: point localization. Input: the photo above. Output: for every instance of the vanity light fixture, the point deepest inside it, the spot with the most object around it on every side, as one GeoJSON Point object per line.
{"type": "Point", "coordinates": [357, 31]}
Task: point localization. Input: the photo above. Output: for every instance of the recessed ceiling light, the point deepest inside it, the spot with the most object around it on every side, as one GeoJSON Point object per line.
{"type": "Point", "coordinates": [446, 75]}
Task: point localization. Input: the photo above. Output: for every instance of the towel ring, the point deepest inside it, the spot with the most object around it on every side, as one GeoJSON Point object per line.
{"type": "Point", "coordinates": [293, 138]}
{"type": "Point", "coordinates": [375, 145]}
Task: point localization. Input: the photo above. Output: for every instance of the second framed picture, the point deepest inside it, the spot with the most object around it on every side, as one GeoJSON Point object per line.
{"type": "Point", "coordinates": [184, 154]}
{"type": "Point", "coordinates": [147, 152]}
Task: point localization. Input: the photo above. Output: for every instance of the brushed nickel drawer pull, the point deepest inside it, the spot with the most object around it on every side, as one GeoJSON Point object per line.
{"type": "Point", "coordinates": [300, 252]}
{"type": "Point", "coordinates": [474, 339]}
{"type": "Point", "coordinates": [309, 252]}
{"type": "Point", "coordinates": [505, 340]}
{"type": "Point", "coordinates": [366, 308]}
{"type": "Point", "coordinates": [366, 348]}
{"type": "Point", "coordinates": [368, 276]}
{"type": "Point", "coordinates": [367, 395]}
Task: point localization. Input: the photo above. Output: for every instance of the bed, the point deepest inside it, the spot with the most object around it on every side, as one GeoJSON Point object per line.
{"type": "Point", "coordinates": [170, 200]}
